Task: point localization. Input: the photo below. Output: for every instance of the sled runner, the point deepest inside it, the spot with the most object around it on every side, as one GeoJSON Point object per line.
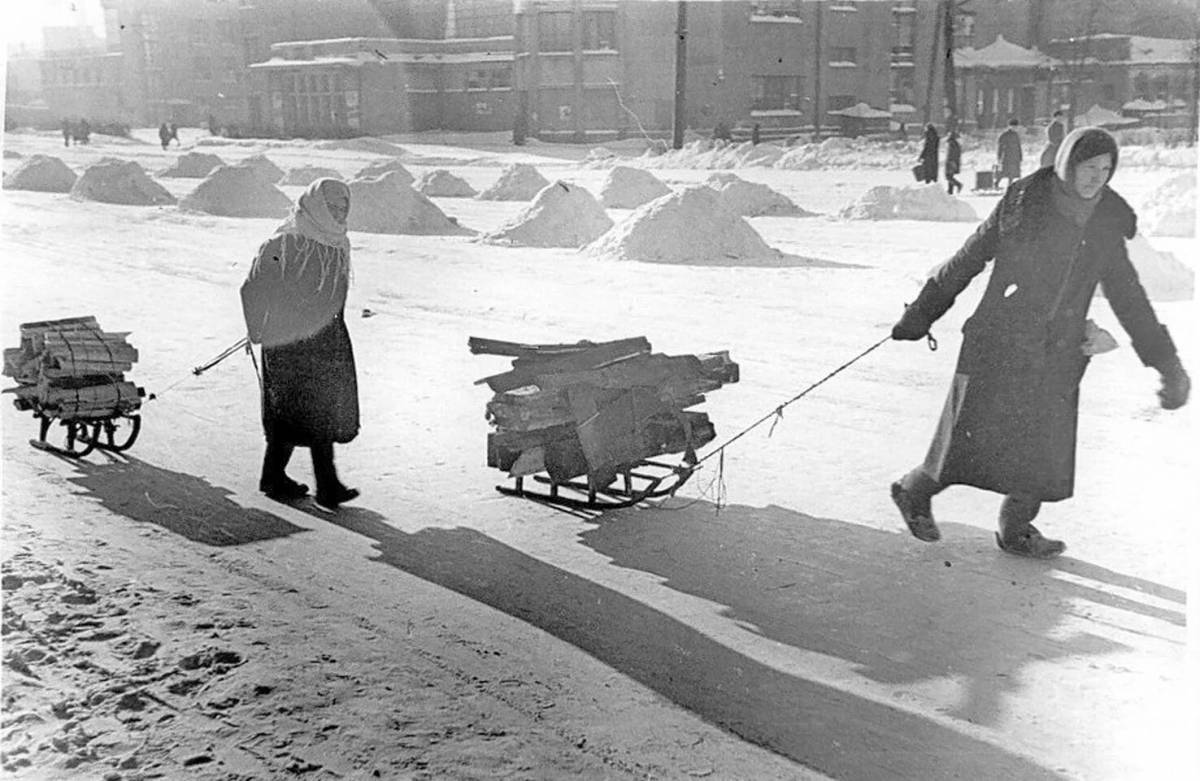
{"type": "Point", "coordinates": [587, 422]}
{"type": "Point", "coordinates": [72, 373]}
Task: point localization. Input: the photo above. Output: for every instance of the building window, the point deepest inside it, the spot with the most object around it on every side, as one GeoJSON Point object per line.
{"type": "Point", "coordinates": [599, 30]}
{"type": "Point", "coordinates": [489, 78]}
{"type": "Point", "coordinates": [844, 54]}
{"type": "Point", "coordinates": [482, 18]}
{"type": "Point", "coordinates": [774, 93]}
{"type": "Point", "coordinates": [1109, 92]}
{"type": "Point", "coordinates": [779, 8]}
{"type": "Point", "coordinates": [903, 86]}
{"type": "Point", "coordinates": [554, 31]}
{"type": "Point", "coordinates": [839, 102]}
{"type": "Point", "coordinates": [964, 30]}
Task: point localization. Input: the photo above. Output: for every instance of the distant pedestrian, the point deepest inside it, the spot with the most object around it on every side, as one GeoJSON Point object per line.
{"type": "Point", "coordinates": [1010, 419]}
{"type": "Point", "coordinates": [928, 158]}
{"type": "Point", "coordinates": [1054, 136]}
{"type": "Point", "coordinates": [164, 134]}
{"type": "Point", "coordinates": [1008, 153]}
{"type": "Point", "coordinates": [67, 130]}
{"type": "Point", "coordinates": [174, 133]}
{"type": "Point", "coordinates": [953, 162]}
{"type": "Point", "coordinates": [293, 300]}
{"type": "Point", "coordinates": [83, 131]}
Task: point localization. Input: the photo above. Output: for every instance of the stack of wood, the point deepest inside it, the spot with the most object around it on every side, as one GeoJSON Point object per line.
{"type": "Point", "coordinates": [596, 409]}
{"type": "Point", "coordinates": [70, 368]}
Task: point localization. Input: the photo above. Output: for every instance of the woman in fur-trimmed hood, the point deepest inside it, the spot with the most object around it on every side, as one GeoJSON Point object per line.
{"type": "Point", "coordinates": [293, 301]}
{"type": "Point", "coordinates": [1009, 423]}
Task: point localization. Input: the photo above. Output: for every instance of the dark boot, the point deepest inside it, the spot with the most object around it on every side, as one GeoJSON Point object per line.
{"type": "Point", "coordinates": [913, 494]}
{"type": "Point", "coordinates": [274, 481]}
{"type": "Point", "coordinates": [1018, 535]}
{"type": "Point", "coordinates": [330, 491]}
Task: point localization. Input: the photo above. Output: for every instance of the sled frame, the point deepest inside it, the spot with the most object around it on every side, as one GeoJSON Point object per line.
{"type": "Point", "coordinates": [633, 485]}
{"type": "Point", "coordinates": [83, 435]}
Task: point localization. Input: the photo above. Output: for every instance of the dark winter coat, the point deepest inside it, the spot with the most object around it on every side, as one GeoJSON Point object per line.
{"type": "Point", "coordinates": [929, 155]}
{"type": "Point", "coordinates": [1009, 423]}
{"type": "Point", "coordinates": [310, 385]}
{"type": "Point", "coordinates": [1055, 132]}
{"type": "Point", "coordinates": [1008, 153]}
{"type": "Point", "coordinates": [953, 157]}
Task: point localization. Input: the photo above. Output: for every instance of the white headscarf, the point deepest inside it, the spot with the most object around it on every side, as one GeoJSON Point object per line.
{"type": "Point", "coordinates": [1096, 137]}
{"type": "Point", "coordinates": [312, 219]}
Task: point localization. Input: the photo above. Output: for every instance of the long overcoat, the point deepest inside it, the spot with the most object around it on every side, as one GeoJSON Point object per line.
{"type": "Point", "coordinates": [929, 155]}
{"type": "Point", "coordinates": [1008, 154]}
{"type": "Point", "coordinates": [309, 380]}
{"type": "Point", "coordinates": [1009, 423]}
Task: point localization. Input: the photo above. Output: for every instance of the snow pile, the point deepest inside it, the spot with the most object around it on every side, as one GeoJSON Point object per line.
{"type": "Point", "coordinates": [237, 191]}
{"type": "Point", "coordinates": [266, 169]}
{"type": "Point", "coordinates": [562, 215]}
{"type": "Point", "coordinates": [307, 174]}
{"type": "Point", "coordinates": [11, 154]}
{"type": "Point", "coordinates": [751, 199]}
{"type": "Point", "coordinates": [711, 153]}
{"type": "Point", "coordinates": [41, 172]}
{"type": "Point", "coordinates": [1158, 157]}
{"type": "Point", "coordinates": [440, 183]}
{"type": "Point", "coordinates": [689, 226]}
{"type": "Point", "coordinates": [193, 165]}
{"type": "Point", "coordinates": [120, 181]}
{"type": "Point", "coordinates": [517, 182]}
{"type": "Point", "coordinates": [599, 157]}
{"type": "Point", "coordinates": [1171, 209]}
{"type": "Point", "coordinates": [923, 202]}
{"type": "Point", "coordinates": [363, 144]}
{"type": "Point", "coordinates": [376, 170]}
{"type": "Point", "coordinates": [1161, 273]}
{"type": "Point", "coordinates": [629, 188]}
{"type": "Point", "coordinates": [386, 204]}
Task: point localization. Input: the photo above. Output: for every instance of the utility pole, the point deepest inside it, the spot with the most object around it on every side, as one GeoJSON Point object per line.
{"type": "Point", "coordinates": [933, 60]}
{"type": "Point", "coordinates": [949, 8]}
{"type": "Point", "coordinates": [817, 75]}
{"type": "Point", "coordinates": [680, 73]}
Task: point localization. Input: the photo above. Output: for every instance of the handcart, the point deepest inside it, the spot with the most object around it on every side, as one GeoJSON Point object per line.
{"type": "Point", "coordinates": [72, 373]}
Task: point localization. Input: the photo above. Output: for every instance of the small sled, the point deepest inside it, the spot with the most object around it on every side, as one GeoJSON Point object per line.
{"type": "Point", "coordinates": [114, 433]}
{"type": "Point", "coordinates": [633, 485]}
{"type": "Point", "coordinates": [987, 181]}
{"type": "Point", "coordinates": [588, 422]}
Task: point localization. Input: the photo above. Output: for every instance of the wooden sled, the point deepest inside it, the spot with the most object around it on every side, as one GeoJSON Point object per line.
{"type": "Point", "coordinates": [634, 485]}
{"type": "Point", "coordinates": [115, 434]}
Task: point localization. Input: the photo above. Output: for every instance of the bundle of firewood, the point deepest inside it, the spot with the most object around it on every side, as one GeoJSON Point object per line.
{"type": "Point", "coordinates": [70, 368]}
{"type": "Point", "coordinates": [596, 409]}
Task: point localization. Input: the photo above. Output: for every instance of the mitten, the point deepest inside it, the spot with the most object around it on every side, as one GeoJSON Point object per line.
{"type": "Point", "coordinates": [1176, 385]}
{"type": "Point", "coordinates": [918, 316]}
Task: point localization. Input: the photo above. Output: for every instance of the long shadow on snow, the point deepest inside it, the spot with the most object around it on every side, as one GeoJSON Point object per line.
{"type": "Point", "coordinates": [178, 502]}
{"type": "Point", "coordinates": [838, 733]}
{"type": "Point", "coordinates": [901, 611]}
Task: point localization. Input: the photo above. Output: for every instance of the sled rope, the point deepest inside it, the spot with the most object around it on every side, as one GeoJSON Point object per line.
{"type": "Point", "coordinates": [244, 342]}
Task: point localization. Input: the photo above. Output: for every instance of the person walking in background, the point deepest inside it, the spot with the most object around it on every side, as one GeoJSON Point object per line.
{"type": "Point", "coordinates": [953, 162]}
{"type": "Point", "coordinates": [928, 158]}
{"type": "Point", "coordinates": [66, 131]}
{"type": "Point", "coordinates": [1054, 136]}
{"type": "Point", "coordinates": [1009, 423]}
{"type": "Point", "coordinates": [293, 301]}
{"type": "Point", "coordinates": [1008, 153]}
{"type": "Point", "coordinates": [164, 134]}
{"type": "Point", "coordinates": [174, 129]}
{"type": "Point", "coordinates": [83, 131]}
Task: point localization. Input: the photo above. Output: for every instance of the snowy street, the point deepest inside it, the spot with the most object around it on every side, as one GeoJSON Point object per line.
{"type": "Point", "coordinates": [164, 619]}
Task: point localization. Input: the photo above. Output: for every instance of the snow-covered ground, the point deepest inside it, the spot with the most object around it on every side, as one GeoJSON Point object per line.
{"type": "Point", "coordinates": [160, 613]}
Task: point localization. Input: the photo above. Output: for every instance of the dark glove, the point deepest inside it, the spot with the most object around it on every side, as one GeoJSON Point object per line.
{"type": "Point", "coordinates": [918, 316]}
{"type": "Point", "coordinates": [1176, 385]}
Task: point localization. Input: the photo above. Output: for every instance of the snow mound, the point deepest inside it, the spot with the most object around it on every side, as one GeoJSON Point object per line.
{"type": "Point", "coordinates": [386, 204]}
{"type": "Point", "coordinates": [237, 191]}
{"type": "Point", "coordinates": [600, 157]}
{"type": "Point", "coordinates": [265, 167]}
{"type": "Point", "coordinates": [307, 174]}
{"type": "Point", "coordinates": [689, 226]}
{"type": "Point", "coordinates": [376, 170]}
{"type": "Point", "coordinates": [751, 199]}
{"type": "Point", "coordinates": [517, 182]}
{"type": "Point", "coordinates": [440, 183]}
{"type": "Point", "coordinates": [110, 180]}
{"type": "Point", "coordinates": [562, 215]}
{"type": "Point", "coordinates": [1163, 276]}
{"type": "Point", "coordinates": [12, 154]}
{"type": "Point", "coordinates": [919, 202]}
{"type": "Point", "coordinates": [629, 188]}
{"type": "Point", "coordinates": [1171, 209]}
{"type": "Point", "coordinates": [41, 172]}
{"type": "Point", "coordinates": [193, 165]}
{"type": "Point", "coordinates": [364, 144]}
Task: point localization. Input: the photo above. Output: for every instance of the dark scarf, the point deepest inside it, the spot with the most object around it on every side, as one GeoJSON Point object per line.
{"type": "Point", "coordinates": [1071, 204]}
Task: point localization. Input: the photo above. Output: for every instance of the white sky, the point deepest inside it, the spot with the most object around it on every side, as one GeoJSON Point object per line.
{"type": "Point", "coordinates": [24, 19]}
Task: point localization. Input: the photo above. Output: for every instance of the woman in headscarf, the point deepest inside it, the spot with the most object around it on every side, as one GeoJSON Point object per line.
{"type": "Point", "coordinates": [293, 301]}
{"type": "Point", "coordinates": [928, 158]}
{"type": "Point", "coordinates": [1009, 423]}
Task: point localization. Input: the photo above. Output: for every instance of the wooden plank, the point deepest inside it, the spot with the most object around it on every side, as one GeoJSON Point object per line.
{"type": "Point", "coordinates": [526, 369]}
{"type": "Point", "coordinates": [483, 346]}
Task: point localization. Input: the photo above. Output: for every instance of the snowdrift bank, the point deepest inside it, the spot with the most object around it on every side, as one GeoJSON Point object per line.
{"type": "Point", "coordinates": [193, 165]}
{"type": "Point", "coordinates": [41, 172]}
{"type": "Point", "coordinates": [307, 174]}
{"type": "Point", "coordinates": [924, 202]}
{"type": "Point", "coordinates": [440, 183]}
{"type": "Point", "coordinates": [265, 167]}
{"type": "Point", "coordinates": [517, 182]}
{"type": "Point", "coordinates": [562, 215]}
{"type": "Point", "coordinates": [386, 204]}
{"type": "Point", "coordinates": [120, 181]}
{"type": "Point", "coordinates": [376, 170]}
{"type": "Point", "coordinates": [689, 226]}
{"type": "Point", "coordinates": [629, 188]}
{"type": "Point", "coordinates": [237, 191]}
{"type": "Point", "coordinates": [1163, 276]}
{"type": "Point", "coordinates": [750, 199]}
{"type": "Point", "coordinates": [1171, 209]}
